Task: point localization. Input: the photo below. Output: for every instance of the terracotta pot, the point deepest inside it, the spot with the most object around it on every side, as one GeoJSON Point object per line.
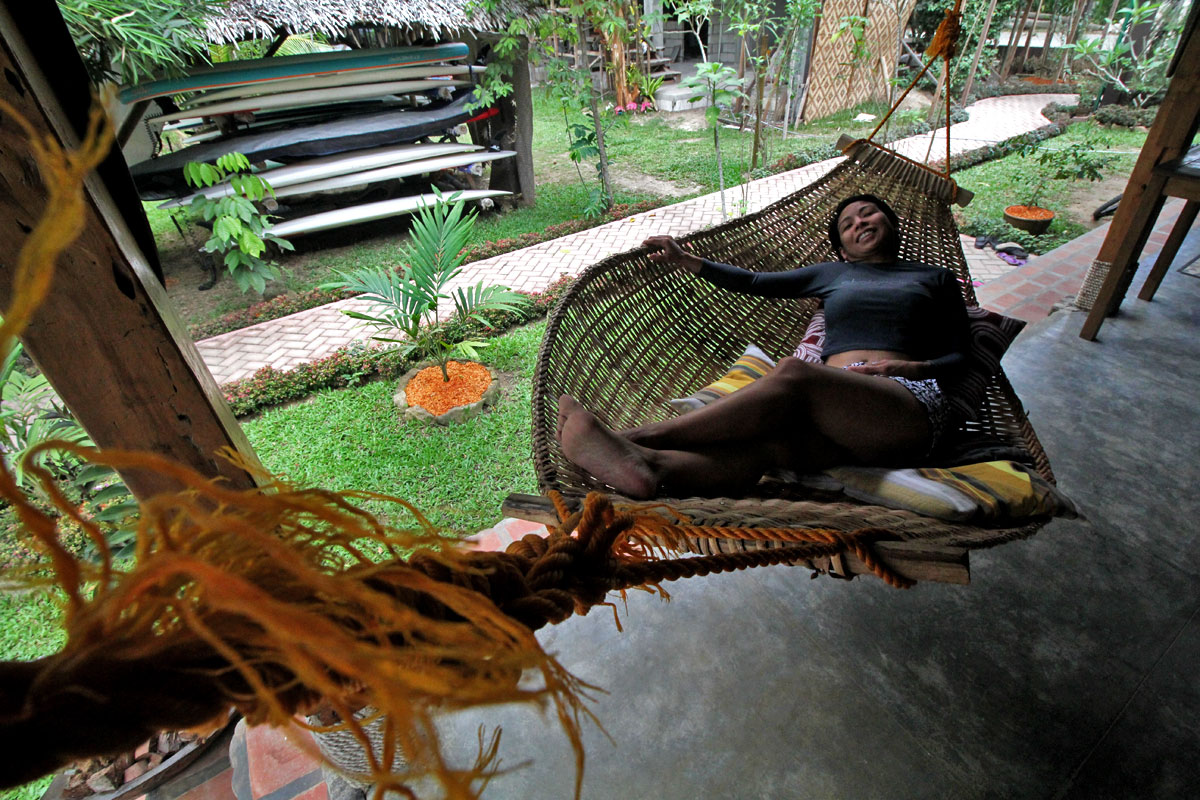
{"type": "Point", "coordinates": [455, 414]}
{"type": "Point", "coordinates": [1034, 226]}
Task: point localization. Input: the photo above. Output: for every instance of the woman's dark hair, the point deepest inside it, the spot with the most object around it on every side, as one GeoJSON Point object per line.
{"type": "Point", "coordinates": [835, 238]}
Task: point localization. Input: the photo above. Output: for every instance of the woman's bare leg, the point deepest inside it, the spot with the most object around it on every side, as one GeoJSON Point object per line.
{"type": "Point", "coordinates": [642, 472]}
{"type": "Point", "coordinates": [856, 418]}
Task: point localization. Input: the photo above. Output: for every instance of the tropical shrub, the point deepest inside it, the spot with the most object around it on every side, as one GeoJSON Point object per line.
{"type": "Point", "coordinates": [356, 363]}
{"type": "Point", "coordinates": [31, 414]}
{"type": "Point", "coordinates": [406, 304]}
{"type": "Point", "coordinates": [717, 84]}
{"type": "Point", "coordinates": [240, 231]}
{"type": "Point", "coordinates": [1125, 116]}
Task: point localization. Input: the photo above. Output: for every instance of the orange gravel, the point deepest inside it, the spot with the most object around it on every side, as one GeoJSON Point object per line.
{"type": "Point", "coordinates": [1030, 212]}
{"type": "Point", "coordinates": [467, 384]}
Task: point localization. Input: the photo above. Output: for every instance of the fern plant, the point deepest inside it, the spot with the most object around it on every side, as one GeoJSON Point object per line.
{"type": "Point", "coordinates": [32, 413]}
{"type": "Point", "coordinates": [407, 303]}
{"type": "Point", "coordinates": [240, 231]}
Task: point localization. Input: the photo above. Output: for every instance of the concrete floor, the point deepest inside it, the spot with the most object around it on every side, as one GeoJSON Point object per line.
{"type": "Point", "coordinates": [1062, 671]}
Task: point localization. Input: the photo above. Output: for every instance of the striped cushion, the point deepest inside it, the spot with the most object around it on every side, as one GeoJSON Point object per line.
{"type": "Point", "coordinates": [753, 364]}
{"type": "Point", "coordinates": [991, 492]}
{"type": "Point", "coordinates": [991, 334]}
{"type": "Point", "coordinates": [813, 343]}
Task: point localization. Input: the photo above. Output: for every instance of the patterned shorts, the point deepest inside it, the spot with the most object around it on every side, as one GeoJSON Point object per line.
{"type": "Point", "coordinates": [931, 396]}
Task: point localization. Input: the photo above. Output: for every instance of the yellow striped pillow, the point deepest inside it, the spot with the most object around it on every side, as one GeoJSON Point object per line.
{"type": "Point", "coordinates": [753, 364]}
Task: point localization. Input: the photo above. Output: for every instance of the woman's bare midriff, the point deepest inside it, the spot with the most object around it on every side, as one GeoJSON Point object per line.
{"type": "Point", "coordinates": [857, 356]}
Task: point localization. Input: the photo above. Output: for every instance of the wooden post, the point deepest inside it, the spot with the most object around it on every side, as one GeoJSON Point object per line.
{"type": "Point", "coordinates": [1169, 139]}
{"type": "Point", "coordinates": [983, 35]}
{"type": "Point", "coordinates": [106, 338]}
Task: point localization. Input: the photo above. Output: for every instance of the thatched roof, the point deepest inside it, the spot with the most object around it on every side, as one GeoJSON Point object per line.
{"type": "Point", "coordinates": [248, 19]}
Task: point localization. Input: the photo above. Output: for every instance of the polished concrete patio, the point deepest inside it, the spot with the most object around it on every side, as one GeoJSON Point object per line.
{"type": "Point", "coordinates": [1065, 670]}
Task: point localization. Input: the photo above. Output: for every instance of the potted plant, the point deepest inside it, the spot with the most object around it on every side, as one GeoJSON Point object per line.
{"type": "Point", "coordinates": [1029, 216]}
{"type": "Point", "coordinates": [1077, 161]}
{"type": "Point", "coordinates": [405, 304]}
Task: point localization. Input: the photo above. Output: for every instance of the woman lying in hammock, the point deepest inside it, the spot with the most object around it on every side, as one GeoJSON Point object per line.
{"type": "Point", "coordinates": [894, 329]}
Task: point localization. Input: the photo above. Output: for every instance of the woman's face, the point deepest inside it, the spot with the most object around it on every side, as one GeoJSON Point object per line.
{"type": "Point", "coordinates": [866, 233]}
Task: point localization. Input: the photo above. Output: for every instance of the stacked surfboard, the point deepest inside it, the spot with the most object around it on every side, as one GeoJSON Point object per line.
{"type": "Point", "coordinates": [324, 121]}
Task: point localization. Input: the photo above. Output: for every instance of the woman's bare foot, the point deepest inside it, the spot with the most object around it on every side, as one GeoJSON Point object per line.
{"type": "Point", "coordinates": [614, 460]}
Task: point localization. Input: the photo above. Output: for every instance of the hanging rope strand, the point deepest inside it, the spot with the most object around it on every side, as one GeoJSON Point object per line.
{"type": "Point", "coordinates": [944, 45]}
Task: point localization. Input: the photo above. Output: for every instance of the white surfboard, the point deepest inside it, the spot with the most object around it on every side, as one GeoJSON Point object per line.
{"type": "Point", "coordinates": [369, 212]}
{"type": "Point", "coordinates": [309, 97]}
{"type": "Point", "coordinates": [340, 164]}
{"type": "Point", "coordinates": [404, 170]}
{"type": "Point", "coordinates": [353, 78]}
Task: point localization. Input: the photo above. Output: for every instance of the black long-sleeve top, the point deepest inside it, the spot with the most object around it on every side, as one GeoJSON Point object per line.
{"type": "Point", "coordinates": [903, 306]}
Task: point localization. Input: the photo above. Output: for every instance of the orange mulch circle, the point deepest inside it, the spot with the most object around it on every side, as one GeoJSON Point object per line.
{"type": "Point", "coordinates": [1030, 212]}
{"type": "Point", "coordinates": [467, 384]}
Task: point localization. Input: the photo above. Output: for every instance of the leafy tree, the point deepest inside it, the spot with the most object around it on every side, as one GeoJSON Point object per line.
{"type": "Point", "coordinates": [128, 41]}
{"type": "Point", "coordinates": [407, 303]}
{"type": "Point", "coordinates": [1139, 70]}
{"type": "Point", "coordinates": [569, 79]}
{"type": "Point", "coordinates": [294, 45]}
{"type": "Point", "coordinates": [240, 231]}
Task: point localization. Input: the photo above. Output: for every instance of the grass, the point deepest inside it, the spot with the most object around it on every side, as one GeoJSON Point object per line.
{"type": "Point", "coordinates": [353, 439]}
{"type": "Point", "coordinates": [456, 475]}
{"type": "Point", "coordinates": [29, 629]}
{"type": "Point", "coordinates": [1006, 181]}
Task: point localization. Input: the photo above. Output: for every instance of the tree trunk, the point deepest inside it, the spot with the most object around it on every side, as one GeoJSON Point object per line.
{"type": "Point", "coordinates": [1037, 15]}
{"type": "Point", "coordinates": [1062, 65]}
{"type": "Point", "coordinates": [1112, 13]}
{"type": "Point", "coordinates": [720, 167]}
{"type": "Point", "coordinates": [1049, 34]}
{"type": "Point", "coordinates": [975, 62]}
{"type": "Point", "coordinates": [741, 75]}
{"type": "Point", "coordinates": [1011, 50]}
{"type": "Point", "coordinates": [983, 35]}
{"type": "Point", "coordinates": [760, 85]}
{"type": "Point", "coordinates": [597, 123]}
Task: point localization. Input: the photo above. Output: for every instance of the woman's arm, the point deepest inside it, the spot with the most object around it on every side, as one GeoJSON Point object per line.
{"type": "Point", "coordinates": [802, 282]}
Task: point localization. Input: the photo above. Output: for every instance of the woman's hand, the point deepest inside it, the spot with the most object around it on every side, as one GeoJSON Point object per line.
{"type": "Point", "coordinates": [894, 368]}
{"type": "Point", "coordinates": [665, 250]}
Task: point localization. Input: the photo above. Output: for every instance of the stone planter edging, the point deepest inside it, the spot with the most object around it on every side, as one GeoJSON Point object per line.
{"type": "Point", "coordinates": [454, 415]}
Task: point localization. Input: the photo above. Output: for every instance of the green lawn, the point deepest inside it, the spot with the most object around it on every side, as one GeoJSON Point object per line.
{"type": "Point", "coordinates": [456, 475]}
{"type": "Point", "coordinates": [29, 629]}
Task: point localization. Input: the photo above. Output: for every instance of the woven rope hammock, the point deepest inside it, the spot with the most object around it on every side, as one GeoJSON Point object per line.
{"type": "Point", "coordinates": [631, 334]}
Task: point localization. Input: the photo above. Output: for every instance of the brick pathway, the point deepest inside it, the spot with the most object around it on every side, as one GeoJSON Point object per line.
{"type": "Point", "coordinates": [306, 336]}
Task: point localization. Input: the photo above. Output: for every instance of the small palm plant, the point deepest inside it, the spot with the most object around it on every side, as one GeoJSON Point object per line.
{"type": "Point", "coordinates": [407, 303]}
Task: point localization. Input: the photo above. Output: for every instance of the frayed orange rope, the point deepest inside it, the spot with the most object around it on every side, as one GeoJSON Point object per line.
{"type": "Point", "coordinates": [262, 599]}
